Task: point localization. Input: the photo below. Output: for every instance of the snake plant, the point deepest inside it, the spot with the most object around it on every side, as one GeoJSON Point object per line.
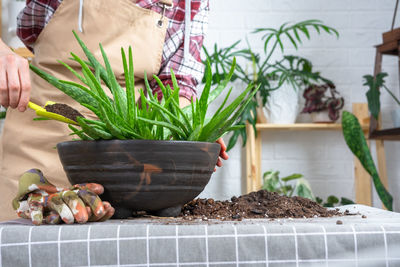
{"type": "Point", "coordinates": [120, 117]}
{"type": "Point", "coordinates": [355, 140]}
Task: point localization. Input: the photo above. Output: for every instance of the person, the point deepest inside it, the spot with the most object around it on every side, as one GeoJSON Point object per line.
{"type": "Point", "coordinates": [164, 34]}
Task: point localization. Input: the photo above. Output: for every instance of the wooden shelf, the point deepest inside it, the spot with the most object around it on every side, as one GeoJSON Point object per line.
{"type": "Point", "coordinates": [299, 126]}
{"type": "Point", "coordinates": [303, 126]}
{"type": "Point", "coordinates": [386, 134]}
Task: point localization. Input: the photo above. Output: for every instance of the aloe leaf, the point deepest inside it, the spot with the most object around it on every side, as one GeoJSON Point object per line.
{"type": "Point", "coordinates": [225, 126]}
{"type": "Point", "coordinates": [169, 113]}
{"type": "Point", "coordinates": [217, 120]}
{"type": "Point", "coordinates": [92, 59]}
{"type": "Point", "coordinates": [130, 86]}
{"type": "Point", "coordinates": [82, 79]}
{"type": "Point", "coordinates": [116, 90]}
{"type": "Point", "coordinates": [224, 102]}
{"type": "Point", "coordinates": [164, 124]}
{"type": "Point", "coordinates": [184, 116]}
{"type": "Point", "coordinates": [91, 80]}
{"type": "Point", "coordinates": [74, 93]}
{"type": "Point", "coordinates": [206, 92]}
{"type": "Point", "coordinates": [79, 133]}
{"type": "Point", "coordinates": [218, 90]}
{"type": "Point", "coordinates": [98, 100]}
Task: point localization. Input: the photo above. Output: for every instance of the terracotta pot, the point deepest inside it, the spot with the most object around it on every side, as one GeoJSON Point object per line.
{"type": "Point", "coordinates": [141, 175]}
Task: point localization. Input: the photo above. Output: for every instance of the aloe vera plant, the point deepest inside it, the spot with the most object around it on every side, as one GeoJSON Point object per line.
{"type": "Point", "coordinates": [120, 117]}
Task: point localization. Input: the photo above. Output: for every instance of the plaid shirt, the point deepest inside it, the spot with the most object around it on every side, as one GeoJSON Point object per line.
{"type": "Point", "coordinates": [189, 71]}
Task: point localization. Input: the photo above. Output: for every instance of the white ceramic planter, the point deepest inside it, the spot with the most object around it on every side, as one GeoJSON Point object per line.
{"type": "Point", "coordinates": [321, 117]}
{"type": "Point", "coordinates": [396, 118]}
{"type": "Point", "coordinates": [282, 106]}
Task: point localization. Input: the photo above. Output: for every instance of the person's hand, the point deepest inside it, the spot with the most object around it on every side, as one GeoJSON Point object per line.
{"type": "Point", "coordinates": [222, 153]}
{"type": "Point", "coordinates": [40, 201]}
{"type": "Point", "coordinates": [15, 82]}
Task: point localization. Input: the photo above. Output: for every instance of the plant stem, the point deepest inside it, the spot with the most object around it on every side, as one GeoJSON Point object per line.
{"type": "Point", "coordinates": [394, 97]}
{"type": "Point", "coordinates": [272, 51]}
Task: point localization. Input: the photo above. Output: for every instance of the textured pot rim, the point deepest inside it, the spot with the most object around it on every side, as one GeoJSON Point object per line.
{"type": "Point", "coordinates": [143, 141]}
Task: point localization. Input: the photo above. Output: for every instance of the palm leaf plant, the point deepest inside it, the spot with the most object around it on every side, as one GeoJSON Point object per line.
{"type": "Point", "coordinates": [269, 75]}
{"type": "Point", "coordinates": [120, 117]}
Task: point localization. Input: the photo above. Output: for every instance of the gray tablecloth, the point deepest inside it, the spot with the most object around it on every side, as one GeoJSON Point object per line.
{"type": "Point", "coordinates": [371, 241]}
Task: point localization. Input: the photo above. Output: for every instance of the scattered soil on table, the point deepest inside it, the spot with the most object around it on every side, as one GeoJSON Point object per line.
{"type": "Point", "coordinates": [64, 110]}
{"type": "Point", "coordinates": [261, 204]}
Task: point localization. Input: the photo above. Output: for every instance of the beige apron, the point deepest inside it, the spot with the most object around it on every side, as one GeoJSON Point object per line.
{"type": "Point", "coordinates": [27, 144]}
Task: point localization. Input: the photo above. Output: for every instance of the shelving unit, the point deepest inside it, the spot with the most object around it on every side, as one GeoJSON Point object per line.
{"type": "Point", "coordinates": [390, 47]}
{"type": "Point", "coordinates": [363, 185]}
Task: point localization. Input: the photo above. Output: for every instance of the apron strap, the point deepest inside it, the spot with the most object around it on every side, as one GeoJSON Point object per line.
{"type": "Point", "coordinates": [187, 33]}
{"type": "Point", "coordinates": [80, 15]}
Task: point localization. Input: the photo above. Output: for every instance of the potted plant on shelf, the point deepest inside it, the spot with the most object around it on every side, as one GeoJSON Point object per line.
{"type": "Point", "coordinates": [373, 96]}
{"type": "Point", "coordinates": [323, 102]}
{"type": "Point", "coordinates": [149, 157]}
{"type": "Point", "coordinates": [289, 72]}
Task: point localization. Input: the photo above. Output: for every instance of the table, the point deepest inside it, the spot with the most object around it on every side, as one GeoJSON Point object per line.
{"type": "Point", "coordinates": [371, 241]}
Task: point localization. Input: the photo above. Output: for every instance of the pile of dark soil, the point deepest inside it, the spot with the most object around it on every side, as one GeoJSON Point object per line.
{"type": "Point", "coordinates": [64, 110]}
{"type": "Point", "coordinates": [261, 204]}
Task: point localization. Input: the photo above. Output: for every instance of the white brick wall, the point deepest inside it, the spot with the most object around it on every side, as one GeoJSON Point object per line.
{"type": "Point", "coordinates": [322, 157]}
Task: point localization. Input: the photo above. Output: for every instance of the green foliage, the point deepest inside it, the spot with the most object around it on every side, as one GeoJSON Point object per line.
{"type": "Point", "coordinates": [333, 201]}
{"type": "Point", "coordinates": [260, 70]}
{"type": "Point", "coordinates": [355, 140]}
{"type": "Point", "coordinates": [273, 183]}
{"type": "Point", "coordinates": [293, 33]}
{"type": "Point", "coordinates": [120, 117]}
{"type": "Point", "coordinates": [373, 94]}
{"type": "Point", "coordinates": [3, 114]}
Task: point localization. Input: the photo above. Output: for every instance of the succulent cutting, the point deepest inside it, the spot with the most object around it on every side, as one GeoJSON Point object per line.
{"type": "Point", "coordinates": [120, 117]}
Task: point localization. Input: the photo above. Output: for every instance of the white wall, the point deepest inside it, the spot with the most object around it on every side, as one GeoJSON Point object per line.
{"type": "Point", "coordinates": [321, 156]}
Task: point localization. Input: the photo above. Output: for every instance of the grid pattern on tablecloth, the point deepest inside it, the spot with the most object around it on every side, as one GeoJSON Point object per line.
{"type": "Point", "coordinates": [201, 245]}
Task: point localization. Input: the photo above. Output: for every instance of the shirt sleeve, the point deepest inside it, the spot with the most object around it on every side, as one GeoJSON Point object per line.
{"type": "Point", "coordinates": [33, 18]}
{"type": "Point", "coordinates": [188, 71]}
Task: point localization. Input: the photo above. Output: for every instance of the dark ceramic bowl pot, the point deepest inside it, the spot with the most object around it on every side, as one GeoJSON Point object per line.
{"type": "Point", "coordinates": [141, 175]}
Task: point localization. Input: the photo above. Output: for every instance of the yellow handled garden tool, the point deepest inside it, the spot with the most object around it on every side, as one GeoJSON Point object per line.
{"type": "Point", "coordinates": [43, 112]}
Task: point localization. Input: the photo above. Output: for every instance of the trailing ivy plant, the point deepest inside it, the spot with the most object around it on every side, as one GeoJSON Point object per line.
{"type": "Point", "coordinates": [120, 117]}
{"type": "Point", "coordinates": [262, 71]}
